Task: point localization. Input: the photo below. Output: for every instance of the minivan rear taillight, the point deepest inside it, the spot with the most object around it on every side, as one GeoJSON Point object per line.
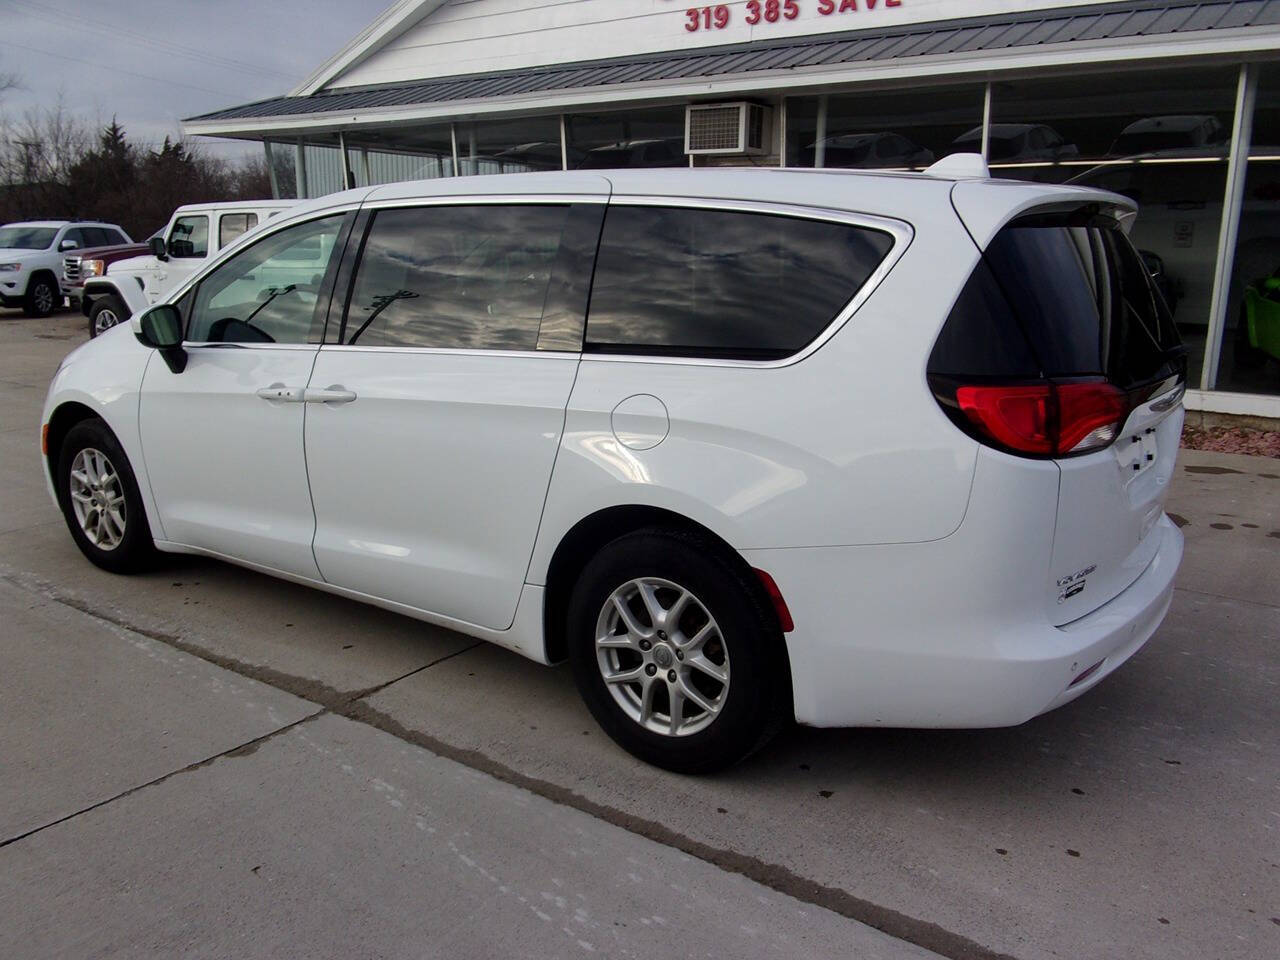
{"type": "Point", "coordinates": [1042, 419]}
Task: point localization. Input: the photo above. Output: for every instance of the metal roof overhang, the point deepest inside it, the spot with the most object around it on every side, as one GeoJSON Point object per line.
{"type": "Point", "coordinates": [1134, 34]}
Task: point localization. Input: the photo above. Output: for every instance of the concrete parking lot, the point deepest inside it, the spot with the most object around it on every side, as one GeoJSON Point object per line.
{"type": "Point", "coordinates": [211, 762]}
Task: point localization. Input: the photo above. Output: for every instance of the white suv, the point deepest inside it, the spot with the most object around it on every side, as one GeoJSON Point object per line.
{"type": "Point", "coordinates": [741, 445]}
{"type": "Point", "coordinates": [31, 259]}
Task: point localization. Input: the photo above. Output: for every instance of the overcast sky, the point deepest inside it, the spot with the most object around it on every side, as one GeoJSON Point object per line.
{"type": "Point", "coordinates": [153, 62]}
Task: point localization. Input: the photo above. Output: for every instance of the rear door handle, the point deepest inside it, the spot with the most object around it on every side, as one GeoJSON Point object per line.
{"type": "Point", "coordinates": [334, 394]}
{"type": "Point", "coordinates": [282, 394]}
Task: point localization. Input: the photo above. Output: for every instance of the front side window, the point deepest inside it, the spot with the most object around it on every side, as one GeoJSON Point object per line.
{"type": "Point", "coordinates": [464, 277]}
{"type": "Point", "coordinates": [712, 283]}
{"type": "Point", "coordinates": [74, 239]}
{"type": "Point", "coordinates": [231, 225]}
{"type": "Point", "coordinates": [189, 238]}
{"type": "Point", "coordinates": [270, 291]}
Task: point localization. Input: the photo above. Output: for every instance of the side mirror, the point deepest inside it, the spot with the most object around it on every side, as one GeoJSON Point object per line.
{"type": "Point", "coordinates": [158, 248]}
{"type": "Point", "coordinates": [160, 328]}
{"type": "Point", "coordinates": [68, 245]}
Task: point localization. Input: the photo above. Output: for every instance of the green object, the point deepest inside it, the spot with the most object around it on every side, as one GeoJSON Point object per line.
{"type": "Point", "coordinates": [1262, 317]}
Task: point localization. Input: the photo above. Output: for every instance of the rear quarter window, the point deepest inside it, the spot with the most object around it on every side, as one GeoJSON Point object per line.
{"type": "Point", "coordinates": [1060, 296]}
{"type": "Point", "coordinates": [675, 281]}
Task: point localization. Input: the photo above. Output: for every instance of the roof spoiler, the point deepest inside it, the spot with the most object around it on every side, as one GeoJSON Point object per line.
{"type": "Point", "coordinates": [960, 166]}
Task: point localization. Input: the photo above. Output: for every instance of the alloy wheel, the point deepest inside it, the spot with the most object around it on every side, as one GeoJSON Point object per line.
{"type": "Point", "coordinates": [97, 498]}
{"type": "Point", "coordinates": [43, 298]}
{"type": "Point", "coordinates": [662, 657]}
{"type": "Point", "coordinates": [106, 319]}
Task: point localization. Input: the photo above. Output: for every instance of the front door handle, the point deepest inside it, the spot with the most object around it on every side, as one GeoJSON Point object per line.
{"type": "Point", "coordinates": [282, 394]}
{"type": "Point", "coordinates": [334, 394]}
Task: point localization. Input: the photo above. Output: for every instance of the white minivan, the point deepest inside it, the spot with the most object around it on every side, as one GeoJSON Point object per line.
{"type": "Point", "coordinates": [740, 445]}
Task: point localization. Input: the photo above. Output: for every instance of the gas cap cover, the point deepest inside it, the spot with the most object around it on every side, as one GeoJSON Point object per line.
{"type": "Point", "coordinates": [640, 422]}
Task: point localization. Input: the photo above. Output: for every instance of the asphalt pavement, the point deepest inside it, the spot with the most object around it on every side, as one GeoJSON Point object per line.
{"type": "Point", "coordinates": [205, 761]}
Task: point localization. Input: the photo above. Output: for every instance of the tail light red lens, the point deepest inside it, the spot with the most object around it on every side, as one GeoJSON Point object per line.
{"type": "Point", "coordinates": [1090, 416]}
{"type": "Point", "coordinates": [1017, 417]}
{"type": "Point", "coordinates": [1045, 419]}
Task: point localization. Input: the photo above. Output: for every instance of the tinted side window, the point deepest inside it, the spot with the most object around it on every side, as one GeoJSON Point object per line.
{"type": "Point", "coordinates": [231, 225]}
{"type": "Point", "coordinates": [270, 291]}
{"type": "Point", "coordinates": [982, 337]}
{"type": "Point", "coordinates": [688, 282]}
{"type": "Point", "coordinates": [1085, 300]}
{"type": "Point", "coordinates": [116, 237]}
{"type": "Point", "coordinates": [190, 237]}
{"type": "Point", "coordinates": [77, 236]}
{"type": "Point", "coordinates": [464, 277]}
{"type": "Point", "coordinates": [1053, 299]}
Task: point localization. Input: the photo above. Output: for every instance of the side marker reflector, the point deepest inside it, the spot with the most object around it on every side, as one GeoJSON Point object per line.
{"type": "Point", "coordinates": [44, 439]}
{"type": "Point", "coordinates": [779, 604]}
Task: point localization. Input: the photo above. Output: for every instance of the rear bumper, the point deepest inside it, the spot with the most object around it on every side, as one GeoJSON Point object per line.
{"type": "Point", "coordinates": [881, 642]}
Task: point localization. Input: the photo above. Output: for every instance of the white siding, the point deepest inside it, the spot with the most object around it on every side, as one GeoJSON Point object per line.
{"type": "Point", "coordinates": [477, 36]}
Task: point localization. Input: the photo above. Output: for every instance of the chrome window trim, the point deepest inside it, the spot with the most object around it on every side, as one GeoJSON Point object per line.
{"type": "Point", "coordinates": [237, 345]}
{"type": "Point", "coordinates": [901, 232]}
{"type": "Point", "coordinates": [489, 200]}
{"type": "Point", "coordinates": [456, 351]}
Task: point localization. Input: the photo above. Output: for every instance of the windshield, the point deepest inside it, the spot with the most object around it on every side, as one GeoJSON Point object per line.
{"type": "Point", "coordinates": [27, 238]}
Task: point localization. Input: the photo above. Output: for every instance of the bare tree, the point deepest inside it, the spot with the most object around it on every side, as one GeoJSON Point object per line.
{"type": "Point", "coordinates": [37, 154]}
{"type": "Point", "coordinates": [53, 165]}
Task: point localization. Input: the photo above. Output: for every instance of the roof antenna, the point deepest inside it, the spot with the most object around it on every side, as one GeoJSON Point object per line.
{"type": "Point", "coordinates": [960, 166]}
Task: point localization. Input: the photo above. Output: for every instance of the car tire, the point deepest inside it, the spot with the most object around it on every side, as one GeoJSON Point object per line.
{"type": "Point", "coordinates": [100, 501]}
{"type": "Point", "coordinates": [714, 649]}
{"type": "Point", "coordinates": [106, 313]}
{"type": "Point", "coordinates": [43, 297]}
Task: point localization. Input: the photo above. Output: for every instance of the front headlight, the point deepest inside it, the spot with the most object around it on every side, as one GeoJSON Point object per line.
{"type": "Point", "coordinates": [10, 267]}
{"type": "Point", "coordinates": [92, 268]}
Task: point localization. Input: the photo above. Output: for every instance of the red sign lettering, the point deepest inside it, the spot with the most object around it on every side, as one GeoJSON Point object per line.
{"type": "Point", "coordinates": [718, 16]}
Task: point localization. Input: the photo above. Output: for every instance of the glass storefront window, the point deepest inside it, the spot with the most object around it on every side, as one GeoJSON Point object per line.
{"type": "Point", "coordinates": [509, 146]}
{"type": "Point", "coordinates": [900, 130]}
{"type": "Point", "coordinates": [635, 138]}
{"type": "Point", "coordinates": [1251, 343]}
{"type": "Point", "coordinates": [282, 158]}
{"type": "Point", "coordinates": [1161, 138]}
{"type": "Point", "coordinates": [405, 153]}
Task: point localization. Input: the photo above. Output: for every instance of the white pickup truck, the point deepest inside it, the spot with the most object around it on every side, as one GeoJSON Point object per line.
{"type": "Point", "coordinates": [194, 233]}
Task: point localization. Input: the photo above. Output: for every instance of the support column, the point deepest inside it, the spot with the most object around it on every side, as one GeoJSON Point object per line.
{"type": "Point", "coordinates": [348, 181]}
{"type": "Point", "coordinates": [986, 121]}
{"type": "Point", "coordinates": [820, 147]}
{"type": "Point", "coordinates": [782, 133]}
{"type": "Point", "coordinates": [271, 170]}
{"type": "Point", "coordinates": [300, 168]}
{"type": "Point", "coordinates": [1232, 201]}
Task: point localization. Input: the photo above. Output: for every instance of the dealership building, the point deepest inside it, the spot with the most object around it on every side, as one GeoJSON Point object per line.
{"type": "Point", "coordinates": [1175, 103]}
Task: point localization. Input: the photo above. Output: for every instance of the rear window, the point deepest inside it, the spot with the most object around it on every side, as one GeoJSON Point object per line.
{"type": "Point", "coordinates": [713, 283]}
{"type": "Point", "coordinates": [1060, 296]}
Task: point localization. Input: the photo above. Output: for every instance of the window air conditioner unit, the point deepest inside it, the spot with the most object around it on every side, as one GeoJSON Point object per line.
{"type": "Point", "coordinates": [727, 128]}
